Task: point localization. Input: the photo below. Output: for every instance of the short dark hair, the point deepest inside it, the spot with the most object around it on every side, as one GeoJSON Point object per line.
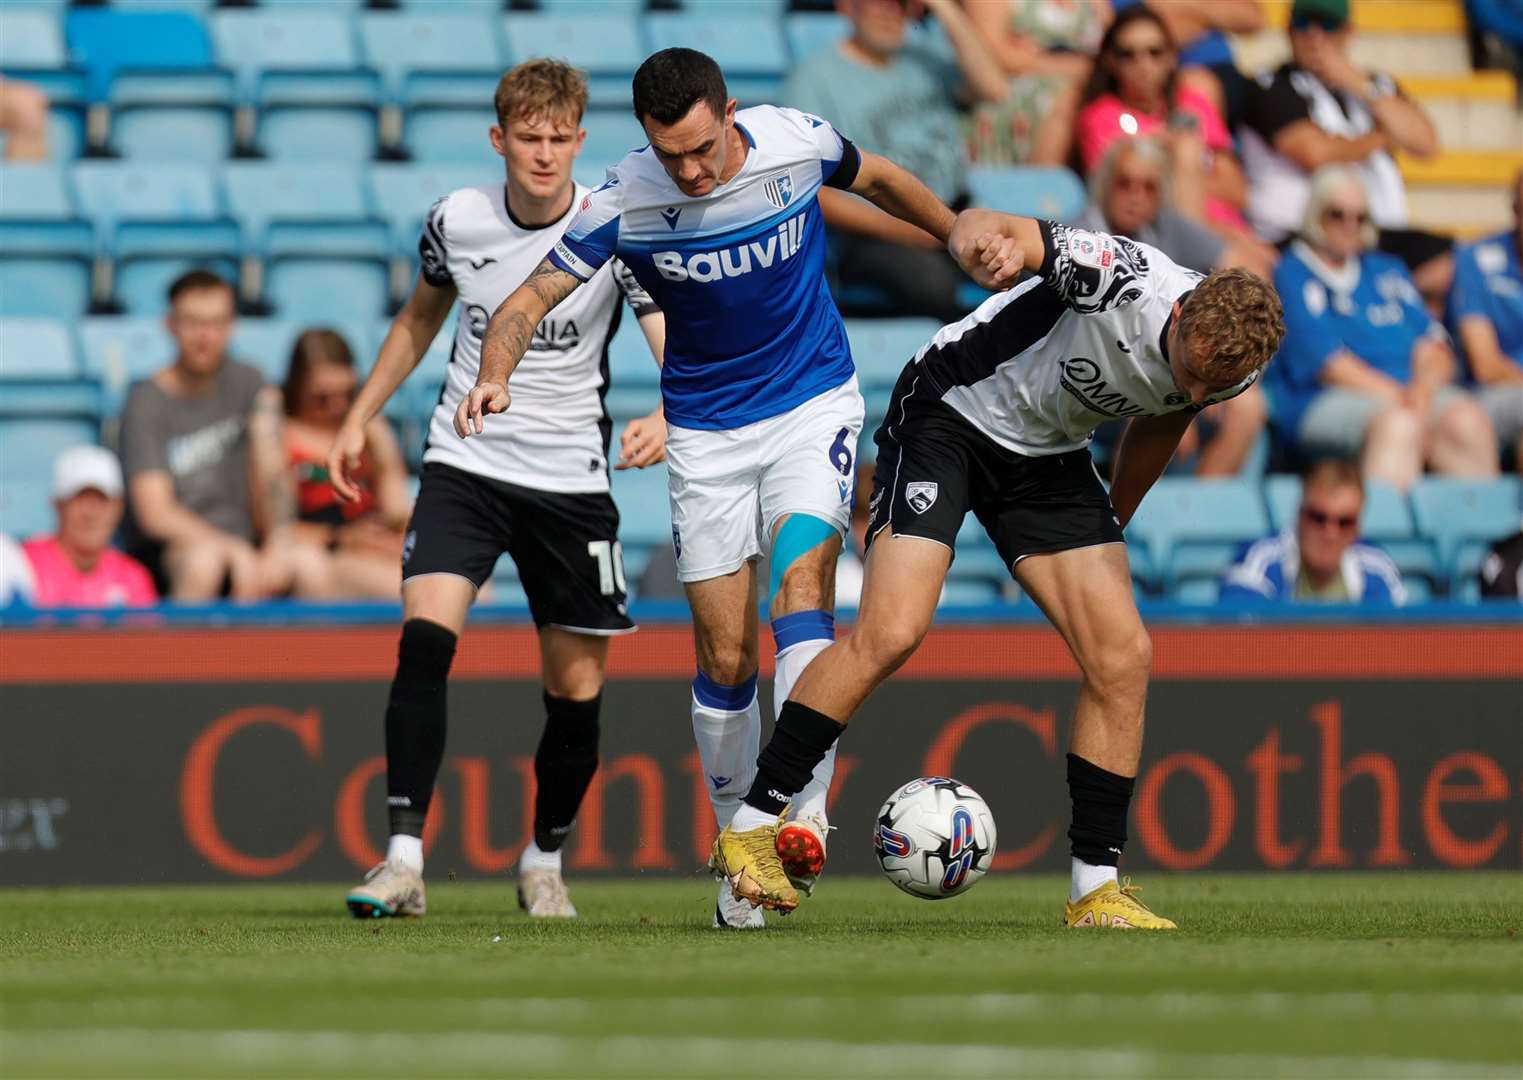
{"type": "Point", "coordinates": [196, 281]}
{"type": "Point", "coordinates": [672, 81]}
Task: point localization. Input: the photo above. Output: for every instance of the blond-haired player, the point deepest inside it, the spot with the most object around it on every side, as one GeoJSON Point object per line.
{"type": "Point", "coordinates": [994, 415]}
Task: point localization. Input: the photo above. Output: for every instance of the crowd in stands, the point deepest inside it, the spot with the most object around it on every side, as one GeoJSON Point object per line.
{"type": "Point", "coordinates": [1403, 353]}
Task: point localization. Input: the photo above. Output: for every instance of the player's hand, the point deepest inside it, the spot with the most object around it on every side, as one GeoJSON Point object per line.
{"type": "Point", "coordinates": [643, 442]}
{"type": "Point", "coordinates": [344, 461]}
{"type": "Point", "coordinates": [484, 399]}
{"type": "Point", "coordinates": [983, 247]}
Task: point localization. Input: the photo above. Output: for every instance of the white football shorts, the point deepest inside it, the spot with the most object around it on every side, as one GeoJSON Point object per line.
{"type": "Point", "coordinates": [730, 488]}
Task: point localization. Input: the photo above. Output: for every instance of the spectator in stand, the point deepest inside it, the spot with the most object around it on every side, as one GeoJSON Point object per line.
{"type": "Point", "coordinates": [1486, 316]}
{"type": "Point", "coordinates": [189, 434]}
{"type": "Point", "coordinates": [23, 121]}
{"type": "Point", "coordinates": [1138, 89]}
{"type": "Point", "coordinates": [901, 100]}
{"type": "Point", "coordinates": [16, 583]}
{"type": "Point", "coordinates": [1321, 559]}
{"type": "Point", "coordinates": [1502, 571]}
{"type": "Point", "coordinates": [334, 549]}
{"type": "Point", "coordinates": [77, 566]}
{"type": "Point", "coordinates": [1320, 109]}
{"type": "Point", "coordinates": [1046, 51]}
{"type": "Point", "coordinates": [1199, 29]}
{"type": "Point", "coordinates": [1364, 369]}
{"type": "Point", "coordinates": [1131, 195]}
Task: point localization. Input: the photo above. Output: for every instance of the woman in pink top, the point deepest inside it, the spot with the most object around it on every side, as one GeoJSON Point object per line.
{"type": "Point", "coordinates": [77, 566]}
{"type": "Point", "coordinates": [1138, 89]}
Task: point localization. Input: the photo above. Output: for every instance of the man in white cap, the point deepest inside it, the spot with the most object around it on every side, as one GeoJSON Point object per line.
{"type": "Point", "coordinates": [77, 566]}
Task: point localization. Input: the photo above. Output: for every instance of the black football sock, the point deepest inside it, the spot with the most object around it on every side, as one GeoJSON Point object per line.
{"type": "Point", "coordinates": [563, 767]}
{"type": "Point", "coordinates": [415, 722]}
{"type": "Point", "coordinates": [1100, 802]}
{"type": "Point", "coordinates": [800, 741]}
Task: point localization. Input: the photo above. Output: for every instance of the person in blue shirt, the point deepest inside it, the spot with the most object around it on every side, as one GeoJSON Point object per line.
{"type": "Point", "coordinates": [719, 218]}
{"type": "Point", "coordinates": [1364, 370]}
{"type": "Point", "coordinates": [1321, 559]}
{"type": "Point", "coordinates": [1486, 317]}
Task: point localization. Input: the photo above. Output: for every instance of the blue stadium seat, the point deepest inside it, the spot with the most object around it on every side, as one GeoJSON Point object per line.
{"type": "Point", "coordinates": [308, 133]}
{"type": "Point", "coordinates": [304, 210]}
{"type": "Point", "coordinates": [607, 48]}
{"type": "Point", "coordinates": [1198, 592]}
{"type": "Point", "coordinates": [433, 58]}
{"type": "Point", "coordinates": [455, 135]}
{"type": "Point", "coordinates": [1464, 517]}
{"type": "Point", "coordinates": [968, 594]}
{"type": "Point", "coordinates": [39, 375]}
{"type": "Point", "coordinates": [37, 214]}
{"type": "Point", "coordinates": [28, 447]}
{"type": "Point", "coordinates": [634, 380]}
{"type": "Point", "coordinates": [1187, 528]}
{"type": "Point", "coordinates": [881, 348]}
{"type": "Point", "coordinates": [119, 351]}
{"type": "Point", "coordinates": [611, 134]}
{"type": "Point", "coordinates": [749, 46]}
{"type": "Point", "coordinates": [315, 43]}
{"type": "Point", "coordinates": [30, 38]}
{"type": "Point", "coordinates": [1030, 190]}
{"type": "Point", "coordinates": [644, 506]}
{"type": "Point", "coordinates": [141, 284]}
{"type": "Point", "coordinates": [192, 7]}
{"type": "Point", "coordinates": [66, 131]}
{"type": "Point", "coordinates": [190, 133]}
{"type": "Point", "coordinates": [265, 344]}
{"type": "Point", "coordinates": [598, 9]}
{"type": "Point", "coordinates": [811, 31]}
{"type": "Point", "coordinates": [403, 193]}
{"type": "Point", "coordinates": [725, 8]}
{"type": "Point", "coordinates": [316, 290]}
{"type": "Point", "coordinates": [56, 286]}
{"type": "Point", "coordinates": [107, 41]}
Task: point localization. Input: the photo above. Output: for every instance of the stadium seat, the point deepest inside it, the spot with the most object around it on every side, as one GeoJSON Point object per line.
{"type": "Point", "coordinates": [192, 7]}
{"type": "Point", "coordinates": [28, 447]}
{"type": "Point", "coordinates": [316, 44]}
{"type": "Point", "coordinates": [39, 375]}
{"type": "Point", "coordinates": [108, 41]}
{"type": "Point", "coordinates": [1198, 592]}
{"type": "Point", "coordinates": [1464, 517]}
{"type": "Point", "coordinates": [881, 348]}
{"type": "Point", "coordinates": [433, 58]}
{"type": "Point", "coordinates": [37, 214]}
{"type": "Point", "coordinates": [402, 194]}
{"type": "Point", "coordinates": [55, 286]}
{"type": "Point", "coordinates": [644, 506]}
{"type": "Point", "coordinates": [30, 38]}
{"type": "Point", "coordinates": [968, 594]}
{"type": "Point", "coordinates": [634, 380]}
{"type": "Point", "coordinates": [1188, 528]}
{"type": "Point", "coordinates": [311, 133]}
{"type": "Point", "coordinates": [810, 31]}
{"type": "Point", "coordinates": [1030, 190]}
{"type": "Point", "coordinates": [118, 351]}
{"type": "Point", "coordinates": [190, 133]}
{"type": "Point", "coordinates": [455, 135]}
{"type": "Point", "coordinates": [749, 46]}
{"type": "Point", "coordinates": [630, 9]}
{"type": "Point", "coordinates": [265, 344]}
{"type": "Point", "coordinates": [607, 48]}
{"type": "Point", "coordinates": [611, 134]}
{"type": "Point", "coordinates": [66, 131]}
{"type": "Point", "coordinates": [289, 209]}
{"type": "Point", "coordinates": [313, 290]}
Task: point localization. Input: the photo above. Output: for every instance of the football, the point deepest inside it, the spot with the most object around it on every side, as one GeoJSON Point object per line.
{"type": "Point", "coordinates": [934, 837]}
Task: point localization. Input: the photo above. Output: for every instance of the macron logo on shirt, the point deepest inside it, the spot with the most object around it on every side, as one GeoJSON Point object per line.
{"type": "Point", "coordinates": [706, 266]}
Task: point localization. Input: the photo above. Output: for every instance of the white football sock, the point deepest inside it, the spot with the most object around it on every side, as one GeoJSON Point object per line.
{"type": "Point", "coordinates": [1085, 878]}
{"type": "Point", "coordinates": [749, 817]}
{"type": "Point", "coordinates": [728, 734]}
{"type": "Point", "coordinates": [791, 663]}
{"type": "Point", "coordinates": [407, 850]}
{"type": "Point", "coordinates": [534, 858]}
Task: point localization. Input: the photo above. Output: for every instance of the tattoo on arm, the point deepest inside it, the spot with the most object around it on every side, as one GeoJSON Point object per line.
{"type": "Point", "coordinates": [511, 330]}
{"type": "Point", "coordinates": [550, 283]}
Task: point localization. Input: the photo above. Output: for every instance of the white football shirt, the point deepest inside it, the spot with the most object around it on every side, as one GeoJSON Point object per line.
{"type": "Point", "coordinates": [555, 435]}
{"type": "Point", "coordinates": [1039, 367]}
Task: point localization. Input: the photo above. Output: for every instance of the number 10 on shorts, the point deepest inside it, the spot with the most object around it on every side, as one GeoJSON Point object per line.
{"type": "Point", "coordinates": [610, 557]}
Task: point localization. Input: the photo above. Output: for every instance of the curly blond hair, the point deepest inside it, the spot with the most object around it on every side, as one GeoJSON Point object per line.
{"type": "Point", "coordinates": [541, 88]}
{"type": "Point", "coordinates": [1233, 322]}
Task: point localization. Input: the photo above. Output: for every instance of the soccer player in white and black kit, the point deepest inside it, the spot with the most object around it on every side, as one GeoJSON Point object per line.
{"type": "Point", "coordinates": [994, 415]}
{"type": "Point", "coordinates": [537, 490]}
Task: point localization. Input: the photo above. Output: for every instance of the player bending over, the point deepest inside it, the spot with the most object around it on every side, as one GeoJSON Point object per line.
{"type": "Point", "coordinates": [537, 490]}
{"type": "Point", "coordinates": [994, 415]}
{"type": "Point", "coordinates": [718, 218]}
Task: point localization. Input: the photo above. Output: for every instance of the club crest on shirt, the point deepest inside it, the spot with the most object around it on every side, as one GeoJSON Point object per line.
{"type": "Point", "coordinates": [779, 190]}
{"type": "Point", "coordinates": [921, 495]}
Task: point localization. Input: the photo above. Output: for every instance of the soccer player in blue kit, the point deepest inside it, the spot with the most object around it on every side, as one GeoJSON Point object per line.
{"type": "Point", "coordinates": [718, 218]}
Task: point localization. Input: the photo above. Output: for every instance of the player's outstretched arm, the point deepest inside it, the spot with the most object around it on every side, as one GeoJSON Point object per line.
{"type": "Point", "coordinates": [507, 338]}
{"type": "Point", "coordinates": [410, 334]}
{"type": "Point", "coordinates": [643, 442]}
{"type": "Point", "coordinates": [1143, 453]}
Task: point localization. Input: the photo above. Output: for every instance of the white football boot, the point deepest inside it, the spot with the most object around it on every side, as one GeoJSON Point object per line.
{"type": "Point", "coordinates": [542, 893]}
{"type": "Point", "coordinates": [731, 913]}
{"type": "Point", "coordinates": [389, 889]}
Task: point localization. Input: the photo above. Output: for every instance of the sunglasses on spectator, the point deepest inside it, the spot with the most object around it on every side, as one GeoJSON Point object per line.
{"type": "Point", "coordinates": [1340, 215]}
{"type": "Point", "coordinates": [1323, 520]}
{"type": "Point", "coordinates": [1321, 22]}
{"type": "Point", "coordinates": [1153, 52]}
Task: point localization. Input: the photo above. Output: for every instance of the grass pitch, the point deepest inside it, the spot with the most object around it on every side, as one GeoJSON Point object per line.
{"type": "Point", "coordinates": [1409, 975]}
